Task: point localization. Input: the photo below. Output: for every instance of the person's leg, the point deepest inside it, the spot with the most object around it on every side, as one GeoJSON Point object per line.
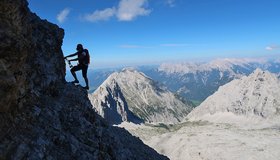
{"type": "Point", "coordinates": [84, 70]}
{"type": "Point", "coordinates": [73, 71]}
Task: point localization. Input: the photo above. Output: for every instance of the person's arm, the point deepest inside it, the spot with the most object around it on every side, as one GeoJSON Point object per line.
{"type": "Point", "coordinates": [71, 55]}
{"type": "Point", "coordinates": [74, 59]}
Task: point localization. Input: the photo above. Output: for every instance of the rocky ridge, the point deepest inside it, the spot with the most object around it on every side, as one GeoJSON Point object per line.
{"type": "Point", "coordinates": [42, 116]}
{"type": "Point", "coordinates": [130, 95]}
{"type": "Point", "coordinates": [257, 95]}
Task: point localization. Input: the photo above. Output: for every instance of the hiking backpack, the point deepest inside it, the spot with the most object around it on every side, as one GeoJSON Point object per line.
{"type": "Point", "coordinates": [87, 58]}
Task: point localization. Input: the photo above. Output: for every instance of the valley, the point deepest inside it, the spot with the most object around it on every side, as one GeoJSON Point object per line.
{"type": "Point", "coordinates": [202, 140]}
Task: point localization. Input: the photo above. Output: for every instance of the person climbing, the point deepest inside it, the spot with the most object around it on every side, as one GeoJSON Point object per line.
{"type": "Point", "coordinates": [83, 62]}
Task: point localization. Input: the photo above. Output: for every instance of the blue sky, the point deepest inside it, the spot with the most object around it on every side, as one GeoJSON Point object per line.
{"type": "Point", "coordinates": [129, 32]}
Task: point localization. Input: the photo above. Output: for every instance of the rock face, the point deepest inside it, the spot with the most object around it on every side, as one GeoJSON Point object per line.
{"type": "Point", "coordinates": [31, 62]}
{"type": "Point", "coordinates": [110, 103]}
{"type": "Point", "coordinates": [42, 116]}
{"type": "Point", "coordinates": [129, 95]}
{"type": "Point", "coordinates": [255, 96]}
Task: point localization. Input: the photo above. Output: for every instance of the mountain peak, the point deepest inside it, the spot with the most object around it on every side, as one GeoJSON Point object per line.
{"type": "Point", "coordinates": [126, 75]}
{"type": "Point", "coordinates": [129, 69]}
{"type": "Point", "coordinates": [262, 76]}
{"type": "Point", "coordinates": [256, 95]}
{"type": "Point", "coordinates": [137, 96]}
{"type": "Point", "coordinates": [259, 73]}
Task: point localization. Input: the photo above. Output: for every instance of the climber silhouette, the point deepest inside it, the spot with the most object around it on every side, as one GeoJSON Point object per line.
{"type": "Point", "coordinates": [84, 60]}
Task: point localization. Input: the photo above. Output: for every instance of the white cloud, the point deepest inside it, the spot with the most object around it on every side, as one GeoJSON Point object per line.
{"type": "Point", "coordinates": [272, 47]}
{"type": "Point", "coordinates": [62, 16]}
{"type": "Point", "coordinates": [130, 9]}
{"type": "Point", "coordinates": [127, 10]}
{"type": "Point", "coordinates": [102, 15]}
{"type": "Point", "coordinates": [171, 3]}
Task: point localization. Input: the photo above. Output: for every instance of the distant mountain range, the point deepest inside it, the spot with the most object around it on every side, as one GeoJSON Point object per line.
{"type": "Point", "coordinates": [194, 81]}
{"type": "Point", "coordinates": [197, 81]}
{"type": "Point", "coordinates": [130, 95]}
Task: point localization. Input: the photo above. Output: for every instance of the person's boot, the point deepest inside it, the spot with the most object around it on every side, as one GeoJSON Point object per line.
{"type": "Point", "coordinates": [86, 87]}
{"type": "Point", "coordinates": [75, 81]}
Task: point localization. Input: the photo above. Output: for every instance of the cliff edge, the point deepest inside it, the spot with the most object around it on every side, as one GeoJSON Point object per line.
{"type": "Point", "coordinates": [42, 116]}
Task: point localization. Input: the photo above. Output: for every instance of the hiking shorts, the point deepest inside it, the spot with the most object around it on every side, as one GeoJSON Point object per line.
{"type": "Point", "coordinates": [84, 69]}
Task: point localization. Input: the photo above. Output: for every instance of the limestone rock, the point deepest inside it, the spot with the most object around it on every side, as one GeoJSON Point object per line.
{"type": "Point", "coordinates": [42, 116]}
